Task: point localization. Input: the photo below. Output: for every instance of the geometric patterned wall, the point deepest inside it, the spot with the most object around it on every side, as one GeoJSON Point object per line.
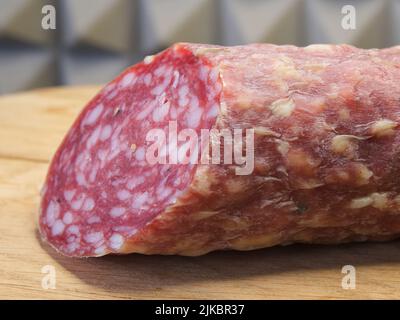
{"type": "Point", "coordinates": [97, 39]}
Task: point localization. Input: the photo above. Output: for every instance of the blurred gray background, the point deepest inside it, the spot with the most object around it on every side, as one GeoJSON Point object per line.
{"type": "Point", "coordinates": [94, 40]}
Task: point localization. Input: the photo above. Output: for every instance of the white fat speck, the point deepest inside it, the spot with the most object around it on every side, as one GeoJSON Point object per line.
{"type": "Point", "coordinates": [282, 107]}
{"type": "Point", "coordinates": [52, 212]}
{"type": "Point", "coordinates": [213, 112]}
{"type": "Point", "coordinates": [127, 230]}
{"type": "Point", "coordinates": [93, 173]}
{"type": "Point", "coordinates": [167, 75]}
{"type": "Point", "coordinates": [100, 250]}
{"type": "Point", "coordinates": [146, 111]}
{"type": "Point", "coordinates": [161, 98]}
{"type": "Point", "coordinates": [193, 117]}
{"type": "Point", "coordinates": [104, 194]}
{"type": "Point", "coordinates": [123, 194]}
{"type": "Point", "coordinates": [80, 159]}
{"type": "Point", "coordinates": [140, 154]}
{"type": "Point", "coordinates": [71, 239]}
{"type": "Point", "coordinates": [88, 205]}
{"type": "Point", "coordinates": [68, 218]}
{"type": "Point", "coordinates": [217, 88]}
{"type": "Point", "coordinates": [183, 101]}
{"type": "Point", "coordinates": [118, 130]}
{"type": "Point", "coordinates": [203, 73]}
{"type": "Point", "coordinates": [383, 127]}
{"type": "Point", "coordinates": [160, 112]}
{"type": "Point", "coordinates": [139, 200]}
{"type": "Point", "coordinates": [148, 59]}
{"type": "Point", "coordinates": [94, 114]}
{"type": "Point", "coordinates": [93, 138]}
{"type": "Point", "coordinates": [194, 102]}
{"type": "Point", "coordinates": [126, 146]}
{"type": "Point", "coordinates": [128, 80]}
{"type": "Point", "coordinates": [117, 211]}
{"type": "Point", "coordinates": [77, 204]}
{"type": "Point", "coordinates": [160, 71]}
{"type": "Point", "coordinates": [85, 160]}
{"type": "Point", "coordinates": [69, 194]}
{"type": "Point", "coordinates": [73, 230]}
{"type": "Point", "coordinates": [93, 237]}
{"type": "Point", "coordinates": [134, 182]}
{"type": "Point", "coordinates": [359, 203]}
{"type": "Point", "coordinates": [105, 132]}
{"type": "Point", "coordinates": [109, 87]}
{"type": "Point", "coordinates": [116, 241]}
{"type": "Point", "coordinates": [148, 173]}
{"type": "Point", "coordinates": [80, 178]}
{"type": "Point", "coordinates": [282, 147]}
{"type": "Point", "coordinates": [158, 89]}
{"type": "Point", "coordinates": [176, 79]}
{"type": "Point", "coordinates": [72, 247]}
{"type": "Point", "coordinates": [113, 154]}
{"type": "Point", "coordinates": [66, 155]}
{"type": "Point", "coordinates": [185, 176]}
{"type": "Point", "coordinates": [114, 144]}
{"type": "Point", "coordinates": [183, 91]}
{"type": "Point", "coordinates": [164, 193]}
{"type": "Point", "coordinates": [57, 228]}
{"type": "Point", "coordinates": [177, 182]}
{"type": "Point", "coordinates": [153, 171]}
{"type": "Point", "coordinates": [93, 219]}
{"type": "Point", "coordinates": [214, 75]}
{"type": "Point", "coordinates": [147, 79]}
{"type": "Point", "coordinates": [101, 154]}
{"type": "Point", "coordinates": [112, 95]}
{"type": "Point", "coordinates": [117, 182]}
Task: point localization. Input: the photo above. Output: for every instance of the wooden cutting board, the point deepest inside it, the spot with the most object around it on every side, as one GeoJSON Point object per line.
{"type": "Point", "coordinates": [32, 125]}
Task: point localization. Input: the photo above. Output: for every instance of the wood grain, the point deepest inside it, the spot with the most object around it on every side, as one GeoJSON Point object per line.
{"type": "Point", "coordinates": [32, 125]}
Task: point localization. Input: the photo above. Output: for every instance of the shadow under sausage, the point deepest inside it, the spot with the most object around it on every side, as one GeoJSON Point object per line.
{"type": "Point", "coordinates": [134, 272]}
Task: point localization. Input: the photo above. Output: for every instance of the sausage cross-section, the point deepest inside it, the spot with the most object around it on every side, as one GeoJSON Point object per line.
{"type": "Point", "coordinates": [325, 153]}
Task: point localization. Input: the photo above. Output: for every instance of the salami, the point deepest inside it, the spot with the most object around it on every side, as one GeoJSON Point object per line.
{"type": "Point", "coordinates": [319, 124]}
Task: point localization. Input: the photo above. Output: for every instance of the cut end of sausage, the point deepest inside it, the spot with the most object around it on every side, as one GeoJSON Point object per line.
{"type": "Point", "coordinates": [113, 173]}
